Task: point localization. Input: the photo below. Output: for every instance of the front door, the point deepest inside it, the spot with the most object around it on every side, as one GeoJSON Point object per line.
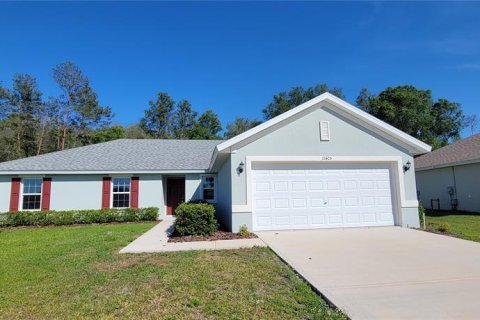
{"type": "Point", "coordinates": [175, 193]}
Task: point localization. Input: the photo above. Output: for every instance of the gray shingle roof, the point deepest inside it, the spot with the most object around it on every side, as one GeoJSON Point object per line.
{"type": "Point", "coordinates": [123, 155]}
{"type": "Point", "coordinates": [465, 150]}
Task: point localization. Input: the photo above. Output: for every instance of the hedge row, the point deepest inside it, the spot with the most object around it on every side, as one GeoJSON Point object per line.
{"type": "Point", "coordinates": [58, 218]}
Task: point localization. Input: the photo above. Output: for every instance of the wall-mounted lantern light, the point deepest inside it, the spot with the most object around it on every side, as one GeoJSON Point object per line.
{"type": "Point", "coordinates": [240, 167]}
{"type": "Point", "coordinates": [407, 166]}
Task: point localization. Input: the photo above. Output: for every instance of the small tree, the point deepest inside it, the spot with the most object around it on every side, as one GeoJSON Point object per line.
{"type": "Point", "coordinates": [183, 120]}
{"type": "Point", "coordinates": [471, 122]}
{"type": "Point", "coordinates": [285, 101]}
{"type": "Point", "coordinates": [207, 127]}
{"type": "Point", "coordinates": [78, 105]}
{"type": "Point", "coordinates": [157, 119]}
{"type": "Point", "coordinates": [414, 112]}
{"type": "Point", "coordinates": [240, 125]}
{"type": "Point", "coordinates": [108, 134]}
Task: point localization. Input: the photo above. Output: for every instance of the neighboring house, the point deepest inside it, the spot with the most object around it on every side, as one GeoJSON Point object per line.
{"type": "Point", "coordinates": [449, 178]}
{"type": "Point", "coordinates": [323, 164]}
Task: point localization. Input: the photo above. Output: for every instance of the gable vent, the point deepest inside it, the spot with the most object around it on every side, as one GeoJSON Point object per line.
{"type": "Point", "coordinates": [324, 130]}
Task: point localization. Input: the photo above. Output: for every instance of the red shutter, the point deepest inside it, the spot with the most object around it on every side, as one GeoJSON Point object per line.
{"type": "Point", "coordinates": [106, 192]}
{"type": "Point", "coordinates": [14, 194]}
{"type": "Point", "coordinates": [134, 192]}
{"type": "Point", "coordinates": [47, 182]}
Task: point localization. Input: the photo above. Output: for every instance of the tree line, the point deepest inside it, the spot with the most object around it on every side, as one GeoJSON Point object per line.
{"type": "Point", "coordinates": [32, 125]}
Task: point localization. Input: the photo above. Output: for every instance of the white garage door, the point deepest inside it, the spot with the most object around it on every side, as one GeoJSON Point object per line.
{"type": "Point", "coordinates": [319, 195]}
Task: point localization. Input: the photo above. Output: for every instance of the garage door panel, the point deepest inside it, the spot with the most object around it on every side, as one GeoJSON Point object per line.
{"type": "Point", "coordinates": [317, 219]}
{"type": "Point", "coordinates": [289, 196]}
{"type": "Point", "coordinates": [280, 186]}
{"type": "Point", "coordinates": [282, 220]}
{"type": "Point", "coordinates": [335, 219]}
{"type": "Point", "coordinates": [300, 220]}
{"type": "Point", "coordinates": [280, 203]}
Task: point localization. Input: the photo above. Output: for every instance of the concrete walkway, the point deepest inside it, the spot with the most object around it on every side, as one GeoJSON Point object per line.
{"type": "Point", "coordinates": [156, 240]}
{"type": "Point", "coordinates": [386, 273]}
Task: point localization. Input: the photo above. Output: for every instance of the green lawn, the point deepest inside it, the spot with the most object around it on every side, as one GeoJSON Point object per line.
{"type": "Point", "coordinates": [463, 225]}
{"type": "Point", "coordinates": [76, 272]}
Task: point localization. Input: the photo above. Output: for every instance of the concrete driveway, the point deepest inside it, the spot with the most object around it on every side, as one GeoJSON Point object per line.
{"type": "Point", "coordinates": [386, 273]}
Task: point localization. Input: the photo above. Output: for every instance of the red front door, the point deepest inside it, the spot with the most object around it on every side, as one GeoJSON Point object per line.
{"type": "Point", "coordinates": [175, 193]}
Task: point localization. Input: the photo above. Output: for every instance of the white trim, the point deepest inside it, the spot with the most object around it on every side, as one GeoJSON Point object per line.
{"type": "Point", "coordinates": [214, 176]}
{"type": "Point", "coordinates": [49, 172]}
{"type": "Point", "coordinates": [417, 146]}
{"type": "Point", "coordinates": [396, 163]}
{"type": "Point", "coordinates": [214, 157]}
{"type": "Point", "coordinates": [20, 201]}
{"type": "Point", "coordinates": [240, 208]}
{"type": "Point", "coordinates": [410, 204]}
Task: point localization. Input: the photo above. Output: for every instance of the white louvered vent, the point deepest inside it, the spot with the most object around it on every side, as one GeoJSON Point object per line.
{"type": "Point", "coordinates": [324, 130]}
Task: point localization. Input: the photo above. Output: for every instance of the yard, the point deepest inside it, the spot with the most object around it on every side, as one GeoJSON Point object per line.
{"type": "Point", "coordinates": [462, 224]}
{"type": "Point", "coordinates": [76, 272]}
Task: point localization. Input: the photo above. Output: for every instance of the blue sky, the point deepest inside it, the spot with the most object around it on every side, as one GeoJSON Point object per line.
{"type": "Point", "coordinates": [233, 57]}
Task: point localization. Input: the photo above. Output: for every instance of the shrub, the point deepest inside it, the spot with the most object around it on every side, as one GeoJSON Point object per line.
{"type": "Point", "coordinates": [443, 227]}
{"type": "Point", "coordinates": [195, 219]}
{"type": "Point", "coordinates": [421, 215]}
{"type": "Point", "coordinates": [59, 218]}
{"type": "Point", "coordinates": [244, 232]}
{"type": "Point", "coordinates": [439, 227]}
{"type": "Point", "coordinates": [198, 201]}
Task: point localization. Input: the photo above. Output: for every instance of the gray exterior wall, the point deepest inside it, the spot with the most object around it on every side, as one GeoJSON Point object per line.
{"type": "Point", "coordinates": [151, 192]}
{"type": "Point", "coordinates": [79, 192]}
{"type": "Point", "coordinates": [301, 137]}
{"type": "Point", "coordinates": [5, 189]}
{"type": "Point", "coordinates": [224, 195]}
{"type": "Point", "coordinates": [433, 184]}
{"type": "Point", "coordinates": [192, 186]}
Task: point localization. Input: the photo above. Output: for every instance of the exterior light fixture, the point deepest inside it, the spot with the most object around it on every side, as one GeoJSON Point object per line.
{"type": "Point", "coordinates": [407, 166]}
{"type": "Point", "coordinates": [240, 167]}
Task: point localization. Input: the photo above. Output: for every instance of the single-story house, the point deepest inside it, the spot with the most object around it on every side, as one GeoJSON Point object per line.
{"type": "Point", "coordinates": [323, 164]}
{"type": "Point", "coordinates": [449, 178]}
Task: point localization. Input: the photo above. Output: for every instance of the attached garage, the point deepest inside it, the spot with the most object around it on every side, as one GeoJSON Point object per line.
{"type": "Point", "coordinates": [321, 195]}
{"type": "Point", "coordinates": [323, 164]}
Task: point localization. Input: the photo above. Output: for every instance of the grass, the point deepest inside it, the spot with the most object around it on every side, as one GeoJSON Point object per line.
{"type": "Point", "coordinates": [462, 224]}
{"type": "Point", "coordinates": [76, 272]}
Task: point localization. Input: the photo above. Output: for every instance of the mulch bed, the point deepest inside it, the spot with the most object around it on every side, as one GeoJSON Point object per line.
{"type": "Point", "coordinates": [219, 235]}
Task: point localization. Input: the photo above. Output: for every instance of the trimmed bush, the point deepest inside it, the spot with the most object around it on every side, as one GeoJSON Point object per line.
{"type": "Point", "coordinates": [195, 219]}
{"type": "Point", "coordinates": [244, 232]}
{"type": "Point", "coordinates": [60, 218]}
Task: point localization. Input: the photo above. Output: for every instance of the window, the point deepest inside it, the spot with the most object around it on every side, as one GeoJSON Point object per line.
{"type": "Point", "coordinates": [121, 193]}
{"type": "Point", "coordinates": [208, 188]}
{"type": "Point", "coordinates": [32, 194]}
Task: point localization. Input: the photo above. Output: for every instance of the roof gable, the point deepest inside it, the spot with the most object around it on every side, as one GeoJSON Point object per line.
{"type": "Point", "coordinates": [412, 144]}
